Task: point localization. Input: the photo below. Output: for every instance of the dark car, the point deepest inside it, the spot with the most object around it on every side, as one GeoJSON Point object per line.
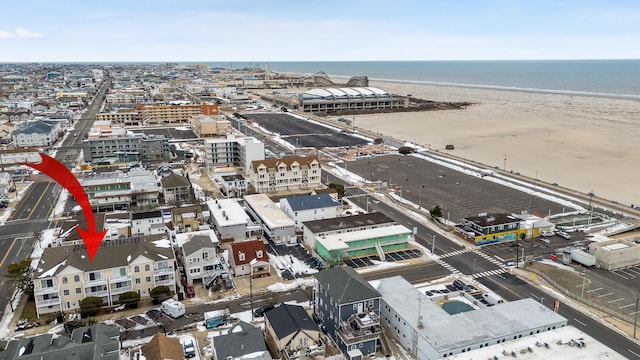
{"type": "Point", "coordinates": [259, 312]}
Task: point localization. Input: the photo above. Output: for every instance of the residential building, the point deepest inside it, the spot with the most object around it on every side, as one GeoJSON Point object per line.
{"type": "Point", "coordinates": [161, 347]}
{"type": "Point", "coordinates": [312, 230]}
{"type": "Point", "coordinates": [242, 342]}
{"type": "Point", "coordinates": [174, 114]}
{"type": "Point", "coordinates": [310, 207]}
{"type": "Point", "coordinates": [200, 256]}
{"type": "Point", "coordinates": [147, 223]}
{"type": "Point", "coordinates": [230, 150]}
{"type": "Point", "coordinates": [230, 221]}
{"type": "Point", "coordinates": [206, 126]}
{"type": "Point", "coordinates": [95, 342]}
{"type": "Point", "coordinates": [427, 331]}
{"type": "Point", "coordinates": [187, 218]}
{"type": "Point", "coordinates": [233, 185]}
{"type": "Point", "coordinates": [277, 226]}
{"type": "Point", "coordinates": [115, 145]}
{"type": "Point", "coordinates": [9, 157]}
{"type": "Point", "coordinates": [490, 228]}
{"type": "Point", "coordinates": [176, 189]}
{"type": "Point", "coordinates": [286, 174]}
{"type": "Point", "coordinates": [118, 191]}
{"type": "Point", "coordinates": [121, 117]}
{"type": "Point", "coordinates": [249, 257]}
{"type": "Point", "coordinates": [292, 334]}
{"type": "Point", "coordinates": [38, 133]}
{"type": "Point", "coordinates": [349, 308]}
{"type": "Point", "coordinates": [64, 275]}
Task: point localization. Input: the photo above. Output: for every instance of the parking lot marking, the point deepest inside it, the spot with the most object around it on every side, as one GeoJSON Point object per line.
{"type": "Point", "coordinates": [612, 301]}
{"type": "Point", "coordinates": [633, 270]}
{"type": "Point", "coordinates": [592, 290]}
{"type": "Point", "coordinates": [616, 273]}
{"type": "Point", "coordinates": [626, 306]}
{"type": "Point", "coordinates": [605, 295]}
{"type": "Point", "coordinates": [627, 273]}
{"type": "Point", "coordinates": [635, 312]}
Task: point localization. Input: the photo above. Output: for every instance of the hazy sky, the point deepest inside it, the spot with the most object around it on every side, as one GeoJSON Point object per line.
{"type": "Point", "coordinates": [298, 30]}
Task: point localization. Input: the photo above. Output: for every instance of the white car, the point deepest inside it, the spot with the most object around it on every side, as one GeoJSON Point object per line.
{"type": "Point", "coordinates": [563, 235]}
{"type": "Point", "coordinates": [546, 233]}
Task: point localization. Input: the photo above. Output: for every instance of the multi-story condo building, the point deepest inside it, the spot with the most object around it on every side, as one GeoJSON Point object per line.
{"type": "Point", "coordinates": [124, 117]}
{"type": "Point", "coordinates": [64, 275]}
{"type": "Point", "coordinates": [206, 126]}
{"type": "Point", "coordinates": [349, 308]}
{"type": "Point", "coordinates": [126, 97]}
{"type": "Point", "coordinates": [174, 114]}
{"type": "Point", "coordinates": [235, 151]}
{"type": "Point", "coordinates": [292, 173]}
{"type": "Point", "coordinates": [118, 191]}
{"type": "Point", "coordinates": [38, 133]}
{"type": "Point", "coordinates": [115, 145]}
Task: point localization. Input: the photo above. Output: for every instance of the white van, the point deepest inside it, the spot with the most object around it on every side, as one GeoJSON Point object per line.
{"type": "Point", "coordinates": [545, 240]}
{"type": "Point", "coordinates": [173, 308]}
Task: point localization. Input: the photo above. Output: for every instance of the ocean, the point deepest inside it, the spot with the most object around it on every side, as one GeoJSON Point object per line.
{"type": "Point", "coordinates": [609, 78]}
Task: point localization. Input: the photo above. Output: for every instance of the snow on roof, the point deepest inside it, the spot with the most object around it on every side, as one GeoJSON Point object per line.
{"type": "Point", "coordinates": [52, 270]}
{"type": "Point", "coordinates": [268, 211]}
{"type": "Point", "coordinates": [162, 243]}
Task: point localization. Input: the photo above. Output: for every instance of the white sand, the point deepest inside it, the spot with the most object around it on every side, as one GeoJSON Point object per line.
{"type": "Point", "coordinates": [583, 143]}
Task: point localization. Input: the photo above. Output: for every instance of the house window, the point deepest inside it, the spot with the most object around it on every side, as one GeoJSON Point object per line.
{"type": "Point", "coordinates": [137, 280]}
{"type": "Point", "coordinates": [78, 290]}
{"type": "Point", "coordinates": [241, 256]}
{"type": "Point", "coordinates": [65, 280]}
{"type": "Point", "coordinates": [66, 292]}
{"type": "Point", "coordinates": [259, 253]}
{"type": "Point", "coordinates": [46, 283]}
{"type": "Point", "coordinates": [148, 279]}
{"type": "Point", "coordinates": [76, 278]}
{"type": "Point", "coordinates": [147, 267]}
{"type": "Point", "coordinates": [136, 268]}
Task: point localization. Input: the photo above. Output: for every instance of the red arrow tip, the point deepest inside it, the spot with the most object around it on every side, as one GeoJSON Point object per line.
{"type": "Point", "coordinates": [92, 240]}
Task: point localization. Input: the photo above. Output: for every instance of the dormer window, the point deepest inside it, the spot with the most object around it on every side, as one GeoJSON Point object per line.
{"type": "Point", "coordinates": [241, 256]}
{"type": "Point", "coordinates": [259, 253]}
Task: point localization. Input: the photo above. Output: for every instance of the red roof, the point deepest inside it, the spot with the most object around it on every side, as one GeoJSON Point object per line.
{"type": "Point", "coordinates": [250, 249]}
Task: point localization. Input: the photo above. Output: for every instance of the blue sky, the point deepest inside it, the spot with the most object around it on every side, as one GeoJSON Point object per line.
{"type": "Point", "coordinates": [300, 30]}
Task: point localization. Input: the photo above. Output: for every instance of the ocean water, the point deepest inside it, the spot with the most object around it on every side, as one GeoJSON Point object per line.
{"type": "Point", "coordinates": [611, 78]}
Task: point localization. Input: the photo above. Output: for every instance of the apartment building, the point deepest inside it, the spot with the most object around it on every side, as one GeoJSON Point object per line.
{"type": "Point", "coordinates": [112, 144]}
{"type": "Point", "coordinates": [174, 114]}
{"type": "Point", "coordinates": [230, 150]}
{"type": "Point", "coordinates": [64, 275]}
{"type": "Point", "coordinates": [38, 133]}
{"type": "Point", "coordinates": [286, 174]}
{"type": "Point", "coordinates": [118, 191]}
{"type": "Point", "coordinates": [123, 117]}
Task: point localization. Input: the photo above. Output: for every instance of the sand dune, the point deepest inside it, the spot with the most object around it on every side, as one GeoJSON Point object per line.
{"type": "Point", "coordinates": [584, 143]}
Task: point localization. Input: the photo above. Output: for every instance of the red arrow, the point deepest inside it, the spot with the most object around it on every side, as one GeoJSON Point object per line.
{"type": "Point", "coordinates": [63, 176]}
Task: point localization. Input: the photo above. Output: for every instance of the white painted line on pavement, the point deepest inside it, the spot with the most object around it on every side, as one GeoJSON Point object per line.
{"type": "Point", "coordinates": [580, 322]}
{"type": "Point", "coordinates": [499, 258]}
{"type": "Point", "coordinates": [626, 306]}
{"type": "Point", "coordinates": [592, 290]}
{"type": "Point", "coordinates": [624, 277]}
{"type": "Point", "coordinates": [612, 301]}
{"type": "Point", "coordinates": [633, 353]}
{"type": "Point", "coordinates": [603, 295]}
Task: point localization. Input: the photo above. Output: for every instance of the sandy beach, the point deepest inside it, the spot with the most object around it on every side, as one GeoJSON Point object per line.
{"type": "Point", "coordinates": [583, 143]}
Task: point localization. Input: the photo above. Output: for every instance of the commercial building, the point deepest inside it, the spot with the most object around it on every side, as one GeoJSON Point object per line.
{"type": "Point", "coordinates": [206, 126]}
{"type": "Point", "coordinates": [174, 114]}
{"type": "Point", "coordinates": [427, 331]}
{"type": "Point", "coordinates": [123, 117]}
{"type": "Point", "coordinates": [276, 224]}
{"type": "Point", "coordinates": [230, 150]}
{"type": "Point", "coordinates": [64, 275]}
{"type": "Point", "coordinates": [110, 144]}
{"type": "Point", "coordinates": [616, 253]}
{"type": "Point", "coordinates": [313, 230]}
{"type": "Point", "coordinates": [338, 99]}
{"type": "Point", "coordinates": [286, 174]}
{"type": "Point", "coordinates": [491, 228]}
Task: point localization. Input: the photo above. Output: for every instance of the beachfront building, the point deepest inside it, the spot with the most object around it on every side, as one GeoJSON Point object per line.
{"type": "Point", "coordinates": [490, 228]}
{"type": "Point", "coordinates": [206, 126]}
{"type": "Point", "coordinates": [427, 331]}
{"type": "Point", "coordinates": [338, 99]}
{"type": "Point", "coordinates": [310, 207]}
{"type": "Point", "coordinates": [349, 307]}
{"type": "Point", "coordinates": [313, 230]}
{"type": "Point", "coordinates": [230, 150]}
{"type": "Point", "coordinates": [277, 226]}
{"type": "Point", "coordinates": [64, 275]}
{"type": "Point", "coordinates": [286, 174]}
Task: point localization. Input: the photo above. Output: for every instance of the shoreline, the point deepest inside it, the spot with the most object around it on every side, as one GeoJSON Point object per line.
{"type": "Point", "coordinates": [578, 142]}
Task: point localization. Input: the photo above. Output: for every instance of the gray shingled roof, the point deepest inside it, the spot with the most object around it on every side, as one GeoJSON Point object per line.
{"type": "Point", "coordinates": [112, 253]}
{"type": "Point", "coordinates": [289, 319]}
{"type": "Point", "coordinates": [98, 341]}
{"type": "Point", "coordinates": [237, 343]}
{"type": "Point", "coordinates": [196, 243]}
{"type": "Point", "coordinates": [345, 285]}
{"type": "Point", "coordinates": [348, 222]}
{"type": "Point", "coordinates": [146, 214]}
{"type": "Point", "coordinates": [38, 127]}
{"type": "Point", "coordinates": [175, 180]}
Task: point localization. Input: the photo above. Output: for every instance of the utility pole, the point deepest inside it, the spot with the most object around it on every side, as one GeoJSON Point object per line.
{"type": "Point", "coordinates": [584, 280]}
{"type": "Point", "coordinates": [433, 244]}
{"type": "Point", "coordinates": [635, 321]}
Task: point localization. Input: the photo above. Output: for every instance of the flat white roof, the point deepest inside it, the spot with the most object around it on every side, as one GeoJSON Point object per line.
{"type": "Point", "coordinates": [593, 350]}
{"type": "Point", "coordinates": [270, 213]}
{"type": "Point", "coordinates": [448, 332]}
{"type": "Point", "coordinates": [232, 209]}
{"type": "Point", "coordinates": [333, 241]}
{"type": "Point", "coordinates": [616, 246]}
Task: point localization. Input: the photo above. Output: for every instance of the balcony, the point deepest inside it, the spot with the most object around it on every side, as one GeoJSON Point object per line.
{"type": "Point", "coordinates": [120, 279]}
{"type": "Point", "coordinates": [48, 302]}
{"type": "Point", "coordinates": [163, 271]}
{"type": "Point", "coordinates": [99, 293]}
{"type": "Point", "coordinates": [168, 282]}
{"type": "Point", "coordinates": [47, 290]}
{"type": "Point", "coordinates": [353, 330]}
{"type": "Point", "coordinates": [366, 319]}
{"type": "Point", "coordinates": [96, 282]}
{"type": "Point", "coordinates": [120, 290]}
{"type": "Point", "coordinates": [304, 352]}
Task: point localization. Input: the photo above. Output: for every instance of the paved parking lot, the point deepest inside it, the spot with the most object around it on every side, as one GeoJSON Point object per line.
{"type": "Point", "coordinates": [389, 257]}
{"type": "Point", "coordinates": [302, 133]}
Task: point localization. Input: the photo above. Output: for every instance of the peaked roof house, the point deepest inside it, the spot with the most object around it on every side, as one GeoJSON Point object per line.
{"type": "Point", "coordinates": [290, 173]}
{"type": "Point", "coordinates": [310, 207]}
{"type": "Point", "coordinates": [350, 310]}
{"type": "Point", "coordinates": [200, 257]}
{"type": "Point", "coordinates": [292, 334]}
{"type": "Point", "coordinates": [242, 341]}
{"type": "Point", "coordinates": [38, 133]}
{"type": "Point", "coordinates": [161, 347]}
{"type": "Point", "coordinates": [176, 188]}
{"type": "Point", "coordinates": [95, 342]}
{"type": "Point", "coordinates": [147, 223]}
{"type": "Point", "coordinates": [249, 257]}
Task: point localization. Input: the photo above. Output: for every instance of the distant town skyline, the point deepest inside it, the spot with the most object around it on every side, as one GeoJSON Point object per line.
{"type": "Point", "coordinates": [287, 30]}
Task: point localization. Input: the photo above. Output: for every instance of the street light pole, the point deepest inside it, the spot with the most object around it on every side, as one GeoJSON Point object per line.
{"type": "Point", "coordinates": [420, 201]}
{"type": "Point", "coordinates": [433, 244]}
{"type": "Point", "coordinates": [473, 272]}
{"type": "Point", "coordinates": [584, 280]}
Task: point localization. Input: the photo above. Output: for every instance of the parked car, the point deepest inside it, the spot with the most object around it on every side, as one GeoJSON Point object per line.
{"type": "Point", "coordinates": [190, 292]}
{"type": "Point", "coordinates": [259, 312]}
{"type": "Point", "coordinates": [563, 235]}
{"type": "Point", "coordinates": [546, 233]}
{"type": "Point", "coordinates": [189, 350]}
{"type": "Point", "coordinates": [459, 284]}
